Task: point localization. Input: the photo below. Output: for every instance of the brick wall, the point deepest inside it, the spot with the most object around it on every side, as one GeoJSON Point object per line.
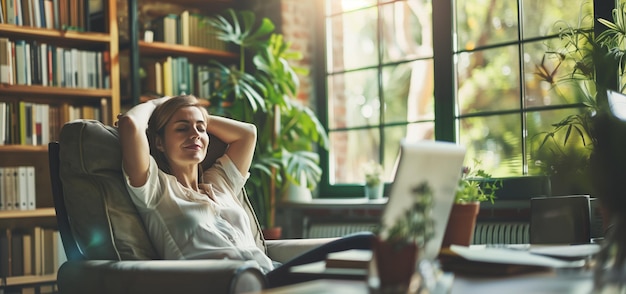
{"type": "Point", "coordinates": [298, 28]}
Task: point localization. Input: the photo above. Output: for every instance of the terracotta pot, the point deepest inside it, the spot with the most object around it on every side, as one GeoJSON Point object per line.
{"type": "Point", "coordinates": [273, 233]}
{"type": "Point", "coordinates": [395, 265]}
{"type": "Point", "coordinates": [461, 224]}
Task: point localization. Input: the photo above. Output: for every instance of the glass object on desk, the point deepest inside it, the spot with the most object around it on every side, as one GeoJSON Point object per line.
{"type": "Point", "coordinates": [610, 267]}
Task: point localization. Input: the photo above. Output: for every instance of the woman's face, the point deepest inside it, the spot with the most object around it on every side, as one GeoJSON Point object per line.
{"type": "Point", "coordinates": [185, 139]}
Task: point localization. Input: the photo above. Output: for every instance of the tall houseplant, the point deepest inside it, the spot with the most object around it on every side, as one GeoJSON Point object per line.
{"type": "Point", "coordinates": [585, 65]}
{"type": "Point", "coordinates": [259, 90]}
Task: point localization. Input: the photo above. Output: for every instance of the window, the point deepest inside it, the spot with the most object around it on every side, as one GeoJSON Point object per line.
{"type": "Point", "coordinates": [381, 62]}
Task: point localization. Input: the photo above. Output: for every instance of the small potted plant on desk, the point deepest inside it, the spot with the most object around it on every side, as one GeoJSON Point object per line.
{"type": "Point", "coordinates": [374, 184]}
{"type": "Point", "coordinates": [396, 248]}
{"type": "Point", "coordinates": [475, 186]}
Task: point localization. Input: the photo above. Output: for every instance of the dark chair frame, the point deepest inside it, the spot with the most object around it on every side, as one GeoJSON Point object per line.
{"type": "Point", "coordinates": [72, 251]}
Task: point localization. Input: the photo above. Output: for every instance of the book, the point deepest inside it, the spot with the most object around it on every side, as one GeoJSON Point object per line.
{"type": "Point", "coordinates": [9, 187]}
{"type": "Point", "coordinates": [2, 188]}
{"type": "Point", "coordinates": [36, 250]}
{"type": "Point", "coordinates": [17, 254]}
{"type": "Point", "coordinates": [27, 258]}
{"type": "Point", "coordinates": [5, 261]}
{"type": "Point", "coordinates": [21, 202]}
{"type": "Point", "coordinates": [352, 258]}
{"type": "Point", "coordinates": [31, 198]}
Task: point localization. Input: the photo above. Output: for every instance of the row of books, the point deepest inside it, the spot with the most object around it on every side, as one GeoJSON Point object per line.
{"type": "Point", "coordinates": [36, 251]}
{"type": "Point", "coordinates": [54, 14]}
{"type": "Point", "coordinates": [176, 76]}
{"type": "Point", "coordinates": [188, 29]}
{"type": "Point", "coordinates": [28, 123]}
{"type": "Point", "coordinates": [18, 190]}
{"type": "Point", "coordinates": [35, 63]}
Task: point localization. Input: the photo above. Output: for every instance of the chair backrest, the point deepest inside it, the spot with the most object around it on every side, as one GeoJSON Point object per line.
{"type": "Point", "coordinates": [95, 214]}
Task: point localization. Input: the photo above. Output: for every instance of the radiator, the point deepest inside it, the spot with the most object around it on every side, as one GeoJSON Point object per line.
{"type": "Point", "coordinates": [502, 233]}
{"type": "Point", "coordinates": [485, 233]}
{"type": "Point", "coordinates": [328, 230]}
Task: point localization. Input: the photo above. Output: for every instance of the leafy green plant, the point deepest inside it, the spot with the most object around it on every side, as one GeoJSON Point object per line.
{"type": "Point", "coordinates": [476, 185]}
{"type": "Point", "coordinates": [259, 90]}
{"type": "Point", "coordinates": [373, 173]}
{"type": "Point", "coordinates": [594, 64]}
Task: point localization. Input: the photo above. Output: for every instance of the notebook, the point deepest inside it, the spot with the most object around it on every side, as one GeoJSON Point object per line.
{"type": "Point", "coordinates": [440, 165]}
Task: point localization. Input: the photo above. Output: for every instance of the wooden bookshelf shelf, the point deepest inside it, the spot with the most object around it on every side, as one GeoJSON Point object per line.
{"type": "Point", "coordinates": [31, 280]}
{"type": "Point", "coordinates": [160, 49]}
{"type": "Point", "coordinates": [24, 148]}
{"type": "Point", "coordinates": [67, 37]}
{"type": "Point", "coordinates": [36, 213]}
{"type": "Point", "coordinates": [39, 90]}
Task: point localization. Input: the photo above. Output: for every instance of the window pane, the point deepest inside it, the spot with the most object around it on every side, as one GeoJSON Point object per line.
{"type": "Point", "coordinates": [495, 141]}
{"type": "Point", "coordinates": [541, 16]}
{"type": "Point", "coordinates": [353, 103]}
{"type": "Point", "coordinates": [334, 6]}
{"type": "Point", "coordinates": [554, 151]}
{"type": "Point", "coordinates": [485, 22]}
{"type": "Point", "coordinates": [408, 92]}
{"type": "Point", "coordinates": [544, 76]}
{"type": "Point", "coordinates": [349, 151]}
{"type": "Point", "coordinates": [393, 136]}
{"type": "Point", "coordinates": [488, 80]}
{"type": "Point", "coordinates": [351, 40]}
{"type": "Point", "coordinates": [407, 30]}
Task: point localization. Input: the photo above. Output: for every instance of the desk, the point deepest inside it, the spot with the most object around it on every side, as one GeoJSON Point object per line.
{"type": "Point", "coordinates": [539, 283]}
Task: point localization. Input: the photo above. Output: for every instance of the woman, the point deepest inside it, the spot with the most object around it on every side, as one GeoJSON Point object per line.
{"type": "Point", "coordinates": [192, 214]}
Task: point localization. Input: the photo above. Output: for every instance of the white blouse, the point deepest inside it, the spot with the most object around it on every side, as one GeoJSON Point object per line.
{"type": "Point", "coordinates": [185, 224]}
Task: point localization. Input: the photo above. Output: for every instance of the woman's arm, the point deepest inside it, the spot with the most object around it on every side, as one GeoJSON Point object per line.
{"type": "Point", "coordinates": [240, 137]}
{"type": "Point", "coordinates": [135, 149]}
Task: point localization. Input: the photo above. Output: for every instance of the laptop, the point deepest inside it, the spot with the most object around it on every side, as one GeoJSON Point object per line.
{"type": "Point", "coordinates": [440, 165]}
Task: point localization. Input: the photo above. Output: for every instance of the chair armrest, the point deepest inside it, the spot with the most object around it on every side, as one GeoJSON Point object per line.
{"type": "Point", "coordinates": [284, 250]}
{"type": "Point", "coordinates": [159, 276]}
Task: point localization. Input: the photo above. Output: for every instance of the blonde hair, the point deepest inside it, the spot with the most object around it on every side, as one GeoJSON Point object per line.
{"type": "Point", "coordinates": [159, 119]}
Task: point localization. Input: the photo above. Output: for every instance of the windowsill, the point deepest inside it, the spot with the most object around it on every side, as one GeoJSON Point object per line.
{"type": "Point", "coordinates": [337, 202]}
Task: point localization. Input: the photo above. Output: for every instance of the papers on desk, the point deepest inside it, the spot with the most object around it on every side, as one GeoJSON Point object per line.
{"type": "Point", "coordinates": [482, 260]}
{"type": "Point", "coordinates": [569, 252]}
{"type": "Point", "coordinates": [518, 257]}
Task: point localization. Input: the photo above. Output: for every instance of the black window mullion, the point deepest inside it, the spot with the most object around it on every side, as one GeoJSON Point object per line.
{"type": "Point", "coordinates": [444, 74]}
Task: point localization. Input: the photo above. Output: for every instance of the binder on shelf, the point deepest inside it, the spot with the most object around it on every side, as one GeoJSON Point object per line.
{"type": "Point", "coordinates": [21, 202]}
{"type": "Point", "coordinates": [2, 188]}
{"type": "Point", "coordinates": [31, 198]}
{"type": "Point", "coordinates": [9, 186]}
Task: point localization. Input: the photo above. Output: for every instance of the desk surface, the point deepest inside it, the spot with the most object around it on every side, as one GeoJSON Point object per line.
{"type": "Point", "coordinates": [539, 283]}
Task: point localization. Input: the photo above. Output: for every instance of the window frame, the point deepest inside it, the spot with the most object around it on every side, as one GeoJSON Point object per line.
{"type": "Point", "coordinates": [446, 119]}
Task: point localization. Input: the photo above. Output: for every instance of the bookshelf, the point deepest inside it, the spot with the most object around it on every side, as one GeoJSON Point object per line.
{"type": "Point", "coordinates": [90, 34]}
{"type": "Point", "coordinates": [144, 12]}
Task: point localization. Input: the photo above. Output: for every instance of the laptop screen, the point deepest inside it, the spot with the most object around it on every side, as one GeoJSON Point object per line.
{"type": "Point", "coordinates": [437, 163]}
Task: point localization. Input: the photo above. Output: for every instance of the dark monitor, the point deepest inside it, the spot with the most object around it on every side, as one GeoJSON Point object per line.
{"type": "Point", "coordinates": [560, 220]}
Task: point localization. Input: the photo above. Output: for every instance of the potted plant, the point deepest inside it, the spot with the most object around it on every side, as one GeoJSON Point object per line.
{"type": "Point", "coordinates": [259, 90]}
{"type": "Point", "coordinates": [373, 180]}
{"type": "Point", "coordinates": [582, 67]}
{"type": "Point", "coordinates": [475, 186]}
{"type": "Point", "coordinates": [396, 248]}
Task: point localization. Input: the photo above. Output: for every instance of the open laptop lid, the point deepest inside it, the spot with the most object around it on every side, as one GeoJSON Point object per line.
{"type": "Point", "coordinates": [440, 165]}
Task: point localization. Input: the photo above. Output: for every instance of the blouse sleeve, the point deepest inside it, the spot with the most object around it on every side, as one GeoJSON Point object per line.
{"type": "Point", "coordinates": [225, 176]}
{"type": "Point", "coordinates": [150, 193]}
